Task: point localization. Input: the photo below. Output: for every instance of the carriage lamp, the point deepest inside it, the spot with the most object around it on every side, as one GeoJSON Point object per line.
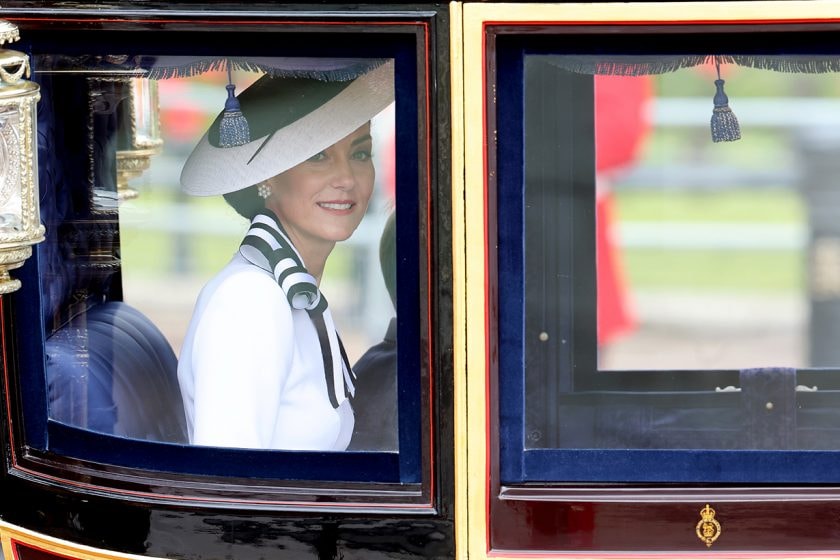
{"type": "Point", "coordinates": [20, 224]}
{"type": "Point", "coordinates": [143, 140]}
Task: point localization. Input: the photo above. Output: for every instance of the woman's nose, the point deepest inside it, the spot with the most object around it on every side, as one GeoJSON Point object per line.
{"type": "Point", "coordinates": [343, 174]}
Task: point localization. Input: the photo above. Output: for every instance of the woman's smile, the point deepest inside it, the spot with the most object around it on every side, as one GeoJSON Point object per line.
{"type": "Point", "coordinates": [337, 207]}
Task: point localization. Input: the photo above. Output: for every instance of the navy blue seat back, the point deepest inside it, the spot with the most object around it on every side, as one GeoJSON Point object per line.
{"type": "Point", "coordinates": [111, 370]}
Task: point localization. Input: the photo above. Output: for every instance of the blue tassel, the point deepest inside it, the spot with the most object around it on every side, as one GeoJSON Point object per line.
{"type": "Point", "coordinates": [725, 127]}
{"type": "Point", "coordinates": [233, 128]}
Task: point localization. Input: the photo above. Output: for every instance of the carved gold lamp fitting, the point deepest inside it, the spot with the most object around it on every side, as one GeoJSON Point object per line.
{"type": "Point", "coordinates": [144, 136]}
{"type": "Point", "coordinates": [20, 223]}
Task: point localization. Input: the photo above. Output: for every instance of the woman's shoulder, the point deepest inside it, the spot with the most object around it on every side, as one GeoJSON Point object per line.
{"type": "Point", "coordinates": [240, 282]}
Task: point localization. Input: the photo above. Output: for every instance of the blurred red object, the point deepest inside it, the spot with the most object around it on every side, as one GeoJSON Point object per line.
{"type": "Point", "coordinates": [181, 122]}
{"type": "Point", "coordinates": [621, 120]}
{"type": "Point", "coordinates": [386, 166]}
{"type": "Point", "coordinates": [621, 125]}
{"type": "Point", "coordinates": [615, 317]}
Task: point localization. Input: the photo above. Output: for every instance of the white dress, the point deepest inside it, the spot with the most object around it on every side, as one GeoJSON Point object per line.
{"type": "Point", "coordinates": [251, 370]}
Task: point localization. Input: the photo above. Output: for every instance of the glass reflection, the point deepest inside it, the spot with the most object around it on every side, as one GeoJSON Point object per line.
{"type": "Point", "coordinates": [117, 264]}
{"type": "Point", "coordinates": [680, 291]}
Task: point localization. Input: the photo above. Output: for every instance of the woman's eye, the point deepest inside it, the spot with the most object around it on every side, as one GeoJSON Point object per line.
{"type": "Point", "coordinates": [318, 157]}
{"type": "Point", "coordinates": [362, 155]}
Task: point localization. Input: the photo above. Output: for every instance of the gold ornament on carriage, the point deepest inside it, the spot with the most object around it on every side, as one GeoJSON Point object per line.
{"type": "Point", "coordinates": [708, 529]}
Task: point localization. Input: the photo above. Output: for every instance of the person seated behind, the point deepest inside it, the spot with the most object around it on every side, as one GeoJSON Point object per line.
{"type": "Point", "coordinates": [375, 403]}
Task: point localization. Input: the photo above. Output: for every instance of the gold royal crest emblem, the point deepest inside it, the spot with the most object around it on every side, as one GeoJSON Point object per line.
{"type": "Point", "coordinates": [708, 529]}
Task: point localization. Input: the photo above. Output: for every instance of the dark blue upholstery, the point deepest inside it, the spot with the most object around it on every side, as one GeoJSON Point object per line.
{"type": "Point", "coordinates": [111, 370]}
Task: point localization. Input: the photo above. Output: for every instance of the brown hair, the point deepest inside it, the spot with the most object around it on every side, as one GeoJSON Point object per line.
{"type": "Point", "coordinates": [247, 202]}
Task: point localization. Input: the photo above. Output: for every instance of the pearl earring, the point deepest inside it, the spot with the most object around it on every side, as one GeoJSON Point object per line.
{"type": "Point", "coordinates": [263, 190]}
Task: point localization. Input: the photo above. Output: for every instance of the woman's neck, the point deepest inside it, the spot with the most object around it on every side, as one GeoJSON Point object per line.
{"type": "Point", "coordinates": [314, 253]}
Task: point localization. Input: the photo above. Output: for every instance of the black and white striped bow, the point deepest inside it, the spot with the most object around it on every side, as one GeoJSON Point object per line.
{"type": "Point", "coordinates": [267, 246]}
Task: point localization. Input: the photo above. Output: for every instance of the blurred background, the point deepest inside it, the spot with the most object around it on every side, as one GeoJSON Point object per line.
{"type": "Point", "coordinates": [718, 255]}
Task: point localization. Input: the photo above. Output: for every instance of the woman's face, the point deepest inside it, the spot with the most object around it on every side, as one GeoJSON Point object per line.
{"type": "Point", "coordinates": [323, 199]}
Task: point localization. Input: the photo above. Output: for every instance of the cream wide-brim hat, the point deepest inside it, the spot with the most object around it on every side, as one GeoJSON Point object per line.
{"type": "Point", "coordinates": [305, 117]}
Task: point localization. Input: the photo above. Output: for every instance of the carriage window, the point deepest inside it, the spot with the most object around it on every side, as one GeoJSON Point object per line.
{"type": "Point", "coordinates": [679, 266]}
{"type": "Point", "coordinates": [220, 264]}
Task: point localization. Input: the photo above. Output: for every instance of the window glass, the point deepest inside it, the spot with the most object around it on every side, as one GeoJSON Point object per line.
{"type": "Point", "coordinates": [680, 251]}
{"type": "Point", "coordinates": [265, 357]}
{"type": "Point", "coordinates": [715, 254]}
